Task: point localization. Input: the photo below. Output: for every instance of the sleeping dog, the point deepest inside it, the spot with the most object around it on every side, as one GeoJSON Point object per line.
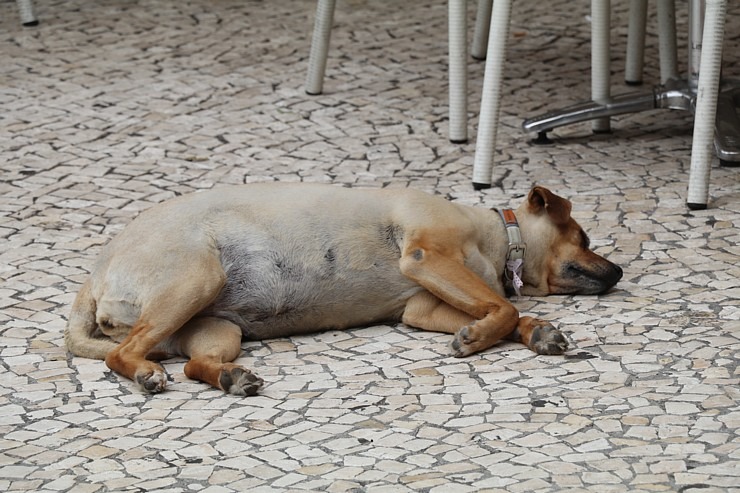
{"type": "Point", "coordinates": [196, 274]}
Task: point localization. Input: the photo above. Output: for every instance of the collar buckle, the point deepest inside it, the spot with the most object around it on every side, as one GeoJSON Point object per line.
{"type": "Point", "coordinates": [516, 251]}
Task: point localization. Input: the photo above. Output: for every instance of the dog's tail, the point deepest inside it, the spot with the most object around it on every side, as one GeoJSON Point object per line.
{"type": "Point", "coordinates": [80, 336]}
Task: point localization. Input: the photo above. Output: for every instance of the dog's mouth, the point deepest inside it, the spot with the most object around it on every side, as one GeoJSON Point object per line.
{"type": "Point", "coordinates": [575, 278]}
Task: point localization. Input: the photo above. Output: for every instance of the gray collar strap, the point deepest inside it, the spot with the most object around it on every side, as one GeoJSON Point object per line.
{"type": "Point", "coordinates": [515, 253]}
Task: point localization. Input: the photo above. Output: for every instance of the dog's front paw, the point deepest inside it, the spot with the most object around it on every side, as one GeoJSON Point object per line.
{"type": "Point", "coordinates": [152, 381]}
{"type": "Point", "coordinates": [546, 339]}
{"type": "Point", "coordinates": [240, 381]}
{"type": "Point", "coordinates": [464, 343]}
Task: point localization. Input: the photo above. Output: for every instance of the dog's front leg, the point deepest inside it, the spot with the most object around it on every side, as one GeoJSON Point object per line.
{"type": "Point", "coordinates": [540, 336]}
{"type": "Point", "coordinates": [426, 311]}
{"type": "Point", "coordinates": [444, 275]}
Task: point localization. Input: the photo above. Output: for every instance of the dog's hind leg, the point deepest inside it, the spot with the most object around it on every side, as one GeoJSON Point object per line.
{"type": "Point", "coordinates": [166, 309]}
{"type": "Point", "coordinates": [212, 344]}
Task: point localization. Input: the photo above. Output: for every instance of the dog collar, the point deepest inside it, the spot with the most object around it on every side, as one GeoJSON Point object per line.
{"type": "Point", "coordinates": [515, 253]}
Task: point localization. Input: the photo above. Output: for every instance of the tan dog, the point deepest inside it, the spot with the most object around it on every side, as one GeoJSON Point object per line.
{"type": "Point", "coordinates": [195, 274]}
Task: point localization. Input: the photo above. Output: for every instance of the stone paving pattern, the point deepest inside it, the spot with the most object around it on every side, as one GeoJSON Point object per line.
{"type": "Point", "coordinates": [111, 106]}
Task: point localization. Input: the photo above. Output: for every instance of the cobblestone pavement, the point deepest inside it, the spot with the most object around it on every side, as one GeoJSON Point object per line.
{"type": "Point", "coordinates": [111, 106]}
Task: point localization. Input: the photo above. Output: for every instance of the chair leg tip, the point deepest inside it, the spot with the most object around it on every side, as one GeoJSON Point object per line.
{"type": "Point", "coordinates": [729, 164]}
{"type": "Point", "coordinates": [542, 139]}
{"type": "Point", "coordinates": [31, 24]}
{"type": "Point", "coordinates": [459, 141]}
{"type": "Point", "coordinates": [633, 82]}
{"type": "Point", "coordinates": [481, 186]}
{"type": "Point", "coordinates": [696, 207]}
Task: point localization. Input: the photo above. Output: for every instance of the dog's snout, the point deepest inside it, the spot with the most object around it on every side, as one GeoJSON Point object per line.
{"type": "Point", "coordinates": [596, 278]}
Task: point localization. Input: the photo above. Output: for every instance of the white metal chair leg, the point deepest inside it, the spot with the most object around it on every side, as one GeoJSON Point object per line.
{"type": "Point", "coordinates": [635, 58]}
{"type": "Point", "coordinates": [667, 40]}
{"type": "Point", "coordinates": [600, 58]}
{"type": "Point", "coordinates": [458, 71]}
{"type": "Point", "coordinates": [706, 103]}
{"type": "Point", "coordinates": [636, 41]}
{"type": "Point", "coordinates": [28, 18]}
{"type": "Point", "coordinates": [482, 26]}
{"type": "Point", "coordinates": [319, 46]}
{"type": "Point", "coordinates": [491, 98]}
{"type": "Point", "coordinates": [492, 80]}
{"type": "Point", "coordinates": [458, 84]}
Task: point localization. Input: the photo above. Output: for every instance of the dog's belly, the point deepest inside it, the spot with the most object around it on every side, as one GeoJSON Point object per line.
{"type": "Point", "coordinates": [274, 289]}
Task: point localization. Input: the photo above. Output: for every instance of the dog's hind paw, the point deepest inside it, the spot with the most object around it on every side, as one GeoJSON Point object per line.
{"type": "Point", "coordinates": [546, 339]}
{"type": "Point", "coordinates": [240, 381]}
{"type": "Point", "coordinates": [153, 381]}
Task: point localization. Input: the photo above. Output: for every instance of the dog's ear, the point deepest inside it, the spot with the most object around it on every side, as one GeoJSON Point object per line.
{"type": "Point", "coordinates": [543, 200]}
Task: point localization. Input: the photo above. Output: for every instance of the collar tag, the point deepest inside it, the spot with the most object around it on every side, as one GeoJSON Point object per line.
{"type": "Point", "coordinates": [514, 267]}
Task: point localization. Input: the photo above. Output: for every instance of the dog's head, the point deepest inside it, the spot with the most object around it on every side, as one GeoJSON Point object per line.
{"type": "Point", "coordinates": [558, 258]}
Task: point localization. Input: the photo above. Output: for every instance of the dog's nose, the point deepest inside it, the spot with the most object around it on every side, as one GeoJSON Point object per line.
{"type": "Point", "coordinates": [612, 278]}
